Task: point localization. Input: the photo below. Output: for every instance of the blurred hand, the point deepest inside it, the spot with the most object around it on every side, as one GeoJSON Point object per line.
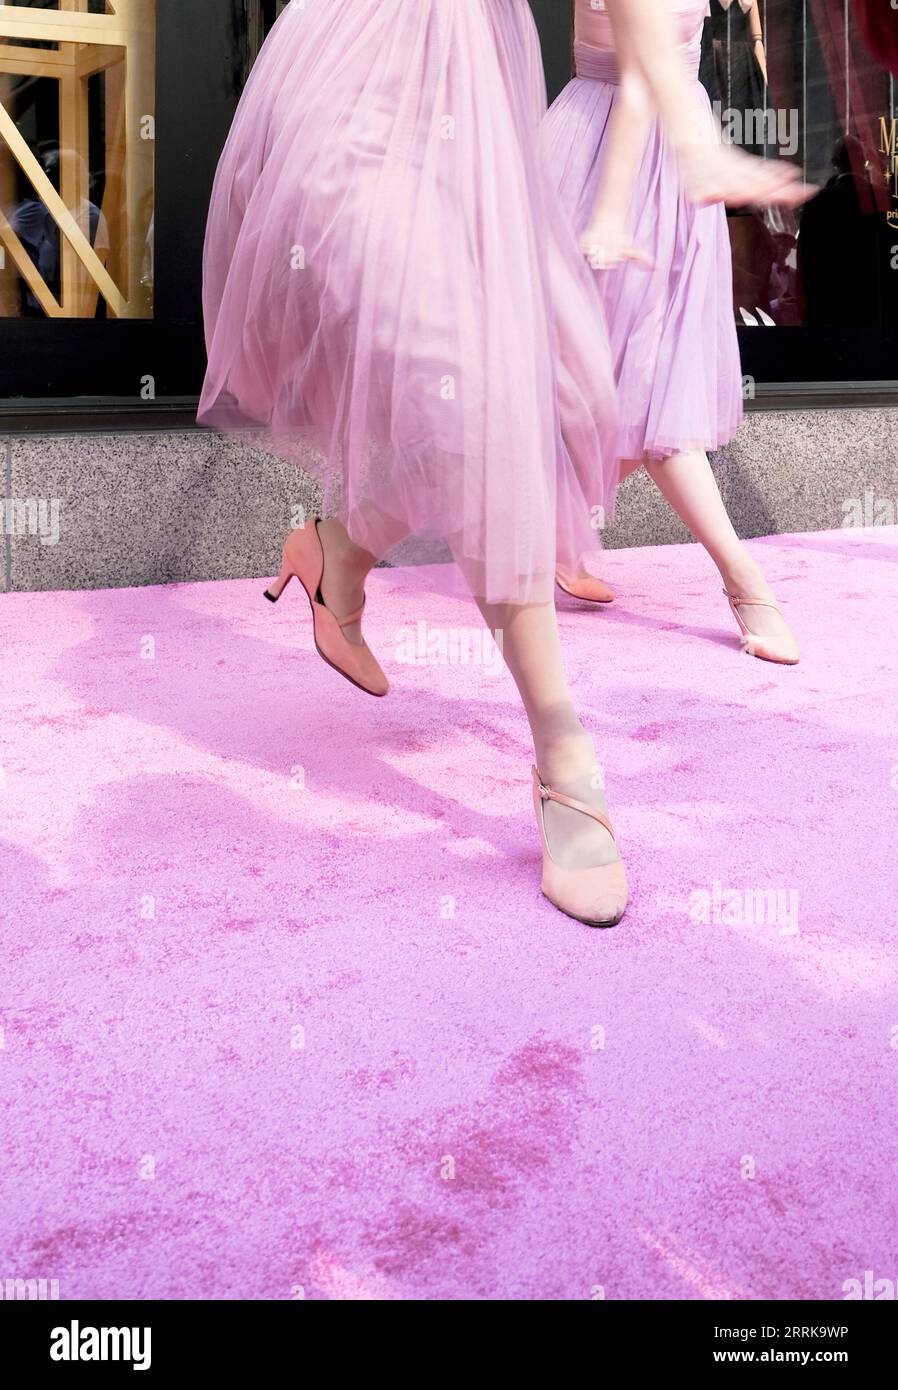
{"type": "Point", "coordinates": [607, 244]}
{"type": "Point", "coordinates": [715, 173]}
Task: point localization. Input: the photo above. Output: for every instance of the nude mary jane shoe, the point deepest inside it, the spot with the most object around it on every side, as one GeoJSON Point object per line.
{"type": "Point", "coordinates": [783, 650]}
{"type": "Point", "coordinates": [303, 559]}
{"type": "Point", "coordinates": [596, 896]}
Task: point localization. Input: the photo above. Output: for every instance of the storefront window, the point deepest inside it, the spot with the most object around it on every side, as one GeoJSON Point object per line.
{"type": "Point", "coordinates": [113, 114]}
{"type": "Point", "coordinates": [815, 295]}
{"type": "Point", "coordinates": [794, 79]}
{"type": "Point", "coordinates": [77, 158]}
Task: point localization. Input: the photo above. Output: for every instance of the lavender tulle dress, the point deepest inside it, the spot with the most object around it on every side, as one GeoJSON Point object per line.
{"type": "Point", "coordinates": [389, 279]}
{"type": "Point", "coordinates": [673, 333]}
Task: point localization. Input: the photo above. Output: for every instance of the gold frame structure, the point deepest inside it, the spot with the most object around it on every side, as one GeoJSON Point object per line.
{"type": "Point", "coordinates": [121, 43]}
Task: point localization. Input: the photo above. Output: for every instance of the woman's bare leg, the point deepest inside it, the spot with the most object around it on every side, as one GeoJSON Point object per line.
{"type": "Point", "coordinates": [687, 483]}
{"type": "Point", "coordinates": [563, 750]}
{"type": "Point", "coordinates": [346, 567]}
{"type": "Point", "coordinates": [531, 646]}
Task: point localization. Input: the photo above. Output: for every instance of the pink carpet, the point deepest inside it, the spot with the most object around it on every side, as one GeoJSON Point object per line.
{"type": "Point", "coordinates": [283, 1012]}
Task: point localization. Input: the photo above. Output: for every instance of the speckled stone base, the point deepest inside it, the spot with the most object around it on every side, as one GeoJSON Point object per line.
{"type": "Point", "coordinates": [92, 511]}
{"type": "Point", "coordinates": [785, 471]}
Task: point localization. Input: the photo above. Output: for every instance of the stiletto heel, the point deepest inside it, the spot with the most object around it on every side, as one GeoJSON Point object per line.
{"type": "Point", "coordinates": [274, 591]}
{"type": "Point", "coordinates": [598, 897]}
{"type": "Point", "coordinates": [304, 559]}
{"type": "Point", "coordinates": [784, 651]}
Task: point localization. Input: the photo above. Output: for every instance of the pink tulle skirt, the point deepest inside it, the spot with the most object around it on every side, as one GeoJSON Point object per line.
{"type": "Point", "coordinates": [673, 330]}
{"type": "Point", "coordinates": [393, 298]}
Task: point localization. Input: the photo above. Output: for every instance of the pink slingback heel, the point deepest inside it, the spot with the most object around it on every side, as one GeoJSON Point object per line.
{"type": "Point", "coordinates": [303, 559]}
{"type": "Point", "coordinates": [784, 651]}
{"type": "Point", "coordinates": [598, 897]}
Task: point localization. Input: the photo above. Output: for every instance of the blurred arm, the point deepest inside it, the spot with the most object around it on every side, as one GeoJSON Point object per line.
{"type": "Point", "coordinates": [631, 121]}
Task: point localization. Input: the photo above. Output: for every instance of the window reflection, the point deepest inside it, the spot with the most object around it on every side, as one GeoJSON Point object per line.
{"type": "Point", "coordinates": [77, 140]}
{"type": "Point", "coordinates": [795, 79]}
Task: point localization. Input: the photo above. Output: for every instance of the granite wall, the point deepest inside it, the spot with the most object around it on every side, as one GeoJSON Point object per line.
{"type": "Point", "coordinates": [106, 510]}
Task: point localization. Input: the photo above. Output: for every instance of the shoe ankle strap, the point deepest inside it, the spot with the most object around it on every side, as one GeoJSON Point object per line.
{"type": "Point", "coordinates": [548, 794]}
{"type": "Point", "coordinates": [738, 602]}
{"type": "Point", "coordinates": [353, 617]}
